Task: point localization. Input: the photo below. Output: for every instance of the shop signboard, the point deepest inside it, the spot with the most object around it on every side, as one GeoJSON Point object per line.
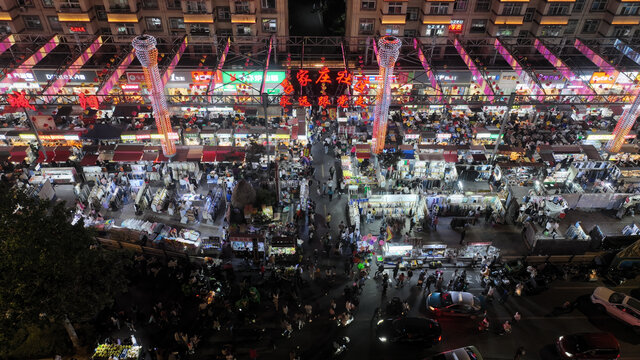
{"type": "Point", "coordinates": [255, 77]}
{"type": "Point", "coordinates": [135, 77]}
{"type": "Point", "coordinates": [26, 76]}
{"type": "Point", "coordinates": [128, 88]}
{"type": "Point", "coordinates": [82, 76]}
{"type": "Point", "coordinates": [601, 77]}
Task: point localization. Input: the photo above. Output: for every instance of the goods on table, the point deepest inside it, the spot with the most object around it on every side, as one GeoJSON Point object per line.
{"type": "Point", "coordinates": [115, 351]}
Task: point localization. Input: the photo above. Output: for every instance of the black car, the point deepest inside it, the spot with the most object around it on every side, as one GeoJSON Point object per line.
{"type": "Point", "coordinates": [409, 329]}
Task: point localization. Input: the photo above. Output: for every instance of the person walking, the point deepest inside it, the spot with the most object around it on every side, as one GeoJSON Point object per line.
{"type": "Point", "coordinates": [520, 352]}
{"type": "Point", "coordinates": [395, 270]}
{"type": "Point", "coordinates": [463, 233]}
{"type": "Point", "coordinates": [400, 282]}
{"type": "Point", "coordinates": [328, 219]}
{"type": "Point", "coordinates": [435, 223]}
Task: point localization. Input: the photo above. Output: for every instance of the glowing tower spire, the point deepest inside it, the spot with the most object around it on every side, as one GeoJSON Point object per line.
{"type": "Point", "coordinates": [388, 51]}
{"type": "Point", "coordinates": [147, 54]}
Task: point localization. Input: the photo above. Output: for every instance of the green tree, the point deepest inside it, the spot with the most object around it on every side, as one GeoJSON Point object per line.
{"type": "Point", "coordinates": [51, 271]}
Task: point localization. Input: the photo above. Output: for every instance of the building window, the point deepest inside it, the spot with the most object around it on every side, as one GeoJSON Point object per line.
{"type": "Point", "coordinates": [243, 30]}
{"type": "Point", "coordinates": [196, 7]}
{"type": "Point", "coordinates": [70, 4]}
{"type": "Point", "coordinates": [5, 28]}
{"type": "Point", "coordinates": [154, 23]}
{"type": "Point", "coordinates": [392, 30]}
{"type": "Point", "coordinates": [556, 9]}
{"type": "Point", "coordinates": [483, 5]}
{"type": "Point", "coordinates": [199, 29]}
{"type": "Point", "coordinates": [268, 4]}
{"type": "Point", "coordinates": [506, 30]}
{"type": "Point", "coordinates": [269, 25]}
{"type": "Point", "coordinates": [511, 9]}
{"type": "Point", "coordinates": [242, 7]}
{"type": "Point", "coordinates": [435, 30]}
{"type": "Point", "coordinates": [413, 14]}
{"type": "Point", "coordinates": [395, 8]}
{"type": "Point", "coordinates": [225, 33]}
{"type": "Point", "coordinates": [126, 29]}
{"type": "Point", "coordinates": [528, 14]}
{"type": "Point", "coordinates": [176, 23]}
{"type": "Point", "coordinates": [578, 6]}
{"type": "Point", "coordinates": [32, 22]}
{"type": "Point", "coordinates": [410, 33]}
{"type": "Point", "coordinates": [630, 9]}
{"type": "Point", "coordinates": [25, 3]}
{"type": "Point", "coordinates": [368, 5]}
{"type": "Point", "coordinates": [366, 27]}
{"type": "Point", "coordinates": [174, 4]}
{"type": "Point", "coordinates": [460, 5]}
{"type": "Point", "coordinates": [478, 26]}
{"type": "Point", "coordinates": [47, 3]}
{"type": "Point", "coordinates": [621, 31]}
{"type": "Point", "coordinates": [590, 26]}
{"type": "Point", "coordinates": [54, 23]}
{"type": "Point", "coordinates": [439, 8]}
{"type": "Point", "coordinates": [224, 13]}
{"type": "Point", "coordinates": [598, 5]}
{"type": "Point", "coordinates": [149, 4]}
{"type": "Point", "coordinates": [571, 27]}
{"type": "Point", "coordinates": [101, 14]}
{"type": "Point", "coordinates": [551, 30]}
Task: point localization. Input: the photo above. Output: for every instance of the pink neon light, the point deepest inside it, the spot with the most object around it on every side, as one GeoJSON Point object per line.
{"type": "Point", "coordinates": [214, 76]}
{"type": "Point", "coordinates": [596, 59]}
{"type": "Point", "coordinates": [428, 70]}
{"type": "Point", "coordinates": [113, 79]}
{"type": "Point", "coordinates": [174, 62]}
{"type": "Point", "coordinates": [73, 69]}
{"type": "Point", "coordinates": [7, 43]}
{"type": "Point", "coordinates": [486, 87]}
{"type": "Point", "coordinates": [582, 88]}
{"type": "Point", "coordinates": [26, 66]}
{"type": "Point", "coordinates": [515, 65]}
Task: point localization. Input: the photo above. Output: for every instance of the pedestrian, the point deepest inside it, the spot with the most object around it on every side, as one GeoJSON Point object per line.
{"type": "Point", "coordinates": [395, 270]}
{"type": "Point", "coordinates": [330, 193]}
{"type": "Point", "coordinates": [409, 275]}
{"type": "Point", "coordinates": [435, 223]}
{"type": "Point", "coordinates": [328, 219]}
{"type": "Point", "coordinates": [400, 282]}
{"type": "Point", "coordinates": [462, 235]}
{"type": "Point", "coordinates": [507, 327]}
{"type": "Point", "coordinates": [517, 317]}
{"type": "Point", "coordinates": [520, 352]}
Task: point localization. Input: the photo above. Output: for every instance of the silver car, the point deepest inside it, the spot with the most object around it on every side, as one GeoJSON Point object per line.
{"type": "Point", "coordinates": [619, 305]}
{"type": "Point", "coordinates": [463, 353]}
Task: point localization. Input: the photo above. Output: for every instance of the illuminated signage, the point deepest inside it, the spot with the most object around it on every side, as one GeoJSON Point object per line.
{"type": "Point", "coordinates": [456, 26]}
{"type": "Point", "coordinates": [177, 78]}
{"type": "Point", "coordinates": [26, 76]}
{"type": "Point", "coordinates": [59, 137]}
{"type": "Point", "coordinates": [273, 77]}
{"type": "Point", "coordinates": [82, 76]}
{"type": "Point", "coordinates": [77, 29]}
{"type": "Point", "coordinates": [201, 76]}
{"type": "Point", "coordinates": [606, 137]}
{"type": "Point", "coordinates": [443, 135]}
{"type": "Point", "coordinates": [27, 136]}
{"type": "Point", "coordinates": [601, 77]}
{"type": "Point", "coordinates": [130, 87]}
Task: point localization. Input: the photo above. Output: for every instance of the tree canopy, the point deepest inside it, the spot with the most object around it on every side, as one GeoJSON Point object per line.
{"type": "Point", "coordinates": [50, 270]}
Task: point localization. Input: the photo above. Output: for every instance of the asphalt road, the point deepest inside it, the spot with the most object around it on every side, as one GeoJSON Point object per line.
{"type": "Point", "coordinates": [536, 331]}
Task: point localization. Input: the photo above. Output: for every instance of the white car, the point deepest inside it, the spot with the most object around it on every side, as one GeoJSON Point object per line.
{"type": "Point", "coordinates": [465, 353]}
{"type": "Point", "coordinates": [619, 305]}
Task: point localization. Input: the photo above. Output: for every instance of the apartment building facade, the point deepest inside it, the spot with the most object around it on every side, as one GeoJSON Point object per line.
{"type": "Point", "coordinates": [155, 17]}
{"type": "Point", "coordinates": [438, 19]}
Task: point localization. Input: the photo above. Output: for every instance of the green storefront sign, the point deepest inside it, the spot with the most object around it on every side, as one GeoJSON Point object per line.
{"type": "Point", "coordinates": [238, 77]}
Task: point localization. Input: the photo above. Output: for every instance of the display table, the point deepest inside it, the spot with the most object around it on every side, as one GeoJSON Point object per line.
{"type": "Point", "coordinates": [115, 351]}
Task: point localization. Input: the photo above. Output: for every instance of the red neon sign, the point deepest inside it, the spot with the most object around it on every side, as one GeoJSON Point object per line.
{"type": "Point", "coordinates": [324, 101]}
{"type": "Point", "coordinates": [323, 76]}
{"type": "Point", "coordinates": [362, 85]}
{"type": "Point", "coordinates": [343, 101]}
{"type": "Point", "coordinates": [19, 99]}
{"type": "Point", "coordinates": [455, 26]}
{"type": "Point", "coordinates": [286, 86]}
{"type": "Point", "coordinates": [303, 77]}
{"type": "Point", "coordinates": [344, 77]}
{"type": "Point", "coordinates": [284, 101]}
{"type": "Point", "coordinates": [77, 29]}
{"type": "Point", "coordinates": [88, 102]}
{"type": "Point", "coordinates": [303, 101]}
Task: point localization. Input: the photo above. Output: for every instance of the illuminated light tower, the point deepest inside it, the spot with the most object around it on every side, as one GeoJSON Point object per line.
{"type": "Point", "coordinates": [388, 51]}
{"type": "Point", "coordinates": [624, 125]}
{"type": "Point", "coordinates": [147, 54]}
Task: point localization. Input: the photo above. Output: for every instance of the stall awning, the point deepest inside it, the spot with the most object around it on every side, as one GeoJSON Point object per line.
{"type": "Point", "coordinates": [363, 155]}
{"type": "Point", "coordinates": [49, 151]}
{"type": "Point", "coordinates": [103, 132]}
{"type": "Point", "coordinates": [89, 160]}
{"type": "Point", "coordinates": [149, 156]}
{"type": "Point", "coordinates": [209, 157]}
{"type": "Point", "coordinates": [451, 157]}
{"type": "Point", "coordinates": [591, 152]}
{"type": "Point", "coordinates": [62, 153]}
{"type": "Point", "coordinates": [431, 157]}
{"type": "Point", "coordinates": [18, 154]}
{"type": "Point", "coordinates": [194, 153]}
{"type": "Point", "coordinates": [127, 156]}
{"type": "Point", "coordinates": [181, 155]}
{"type": "Point", "coordinates": [548, 157]}
{"type": "Point", "coordinates": [479, 157]}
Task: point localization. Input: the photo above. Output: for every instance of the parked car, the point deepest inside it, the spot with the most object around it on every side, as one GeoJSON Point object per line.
{"type": "Point", "coordinates": [619, 305]}
{"type": "Point", "coordinates": [463, 353]}
{"type": "Point", "coordinates": [592, 346]}
{"type": "Point", "coordinates": [409, 329]}
{"type": "Point", "coordinates": [454, 303]}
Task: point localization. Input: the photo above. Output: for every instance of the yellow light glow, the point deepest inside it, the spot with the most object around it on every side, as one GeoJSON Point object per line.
{"type": "Point", "coordinates": [5, 16]}
{"type": "Point", "coordinates": [509, 20]}
{"type": "Point", "coordinates": [78, 17]}
{"type": "Point", "coordinates": [554, 20]}
{"type": "Point", "coordinates": [393, 19]}
{"type": "Point", "coordinates": [243, 19]}
{"type": "Point", "coordinates": [198, 19]}
{"type": "Point", "coordinates": [436, 20]}
{"type": "Point", "coordinates": [122, 18]}
{"type": "Point", "coordinates": [624, 21]}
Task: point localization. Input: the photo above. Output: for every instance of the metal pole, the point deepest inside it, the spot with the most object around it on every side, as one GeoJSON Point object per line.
{"type": "Point", "coordinates": [506, 117]}
{"type": "Point", "coordinates": [35, 131]}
